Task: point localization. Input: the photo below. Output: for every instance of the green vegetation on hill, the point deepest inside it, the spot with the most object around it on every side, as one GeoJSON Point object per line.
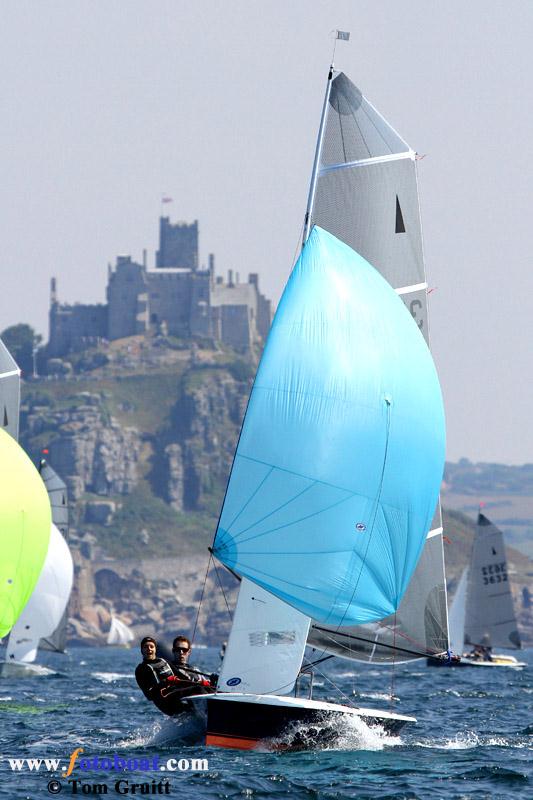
{"type": "Point", "coordinates": [149, 434]}
{"type": "Point", "coordinates": [146, 526]}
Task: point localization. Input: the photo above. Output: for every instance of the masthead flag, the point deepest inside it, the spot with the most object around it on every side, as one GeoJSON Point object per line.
{"type": "Point", "coordinates": [344, 35]}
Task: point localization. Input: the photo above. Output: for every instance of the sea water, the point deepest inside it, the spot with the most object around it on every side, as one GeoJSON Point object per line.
{"type": "Point", "coordinates": [472, 740]}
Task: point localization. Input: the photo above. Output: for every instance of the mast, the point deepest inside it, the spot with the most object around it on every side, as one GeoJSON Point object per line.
{"type": "Point", "coordinates": [344, 36]}
{"type": "Point", "coordinates": [316, 163]}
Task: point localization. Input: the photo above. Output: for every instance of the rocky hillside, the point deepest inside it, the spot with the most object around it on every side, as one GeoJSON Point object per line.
{"type": "Point", "coordinates": [144, 441]}
{"type": "Point", "coordinates": [143, 433]}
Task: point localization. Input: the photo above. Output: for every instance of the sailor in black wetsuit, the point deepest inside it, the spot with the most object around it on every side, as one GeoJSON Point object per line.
{"type": "Point", "coordinates": [157, 680]}
{"type": "Point", "coordinates": [181, 648]}
{"type": "Point", "coordinates": [159, 684]}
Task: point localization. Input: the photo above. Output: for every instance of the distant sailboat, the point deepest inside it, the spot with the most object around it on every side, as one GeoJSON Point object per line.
{"type": "Point", "coordinates": [9, 392]}
{"type": "Point", "coordinates": [57, 492]}
{"type": "Point", "coordinates": [43, 622]}
{"type": "Point", "coordinates": [119, 633]}
{"type": "Point", "coordinates": [43, 612]}
{"type": "Point", "coordinates": [24, 507]}
{"type": "Point", "coordinates": [24, 530]}
{"type": "Point", "coordinates": [336, 475]}
{"type": "Point", "coordinates": [482, 614]}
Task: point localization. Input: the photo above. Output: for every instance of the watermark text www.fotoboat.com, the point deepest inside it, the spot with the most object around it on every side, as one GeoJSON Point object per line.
{"type": "Point", "coordinates": [69, 770]}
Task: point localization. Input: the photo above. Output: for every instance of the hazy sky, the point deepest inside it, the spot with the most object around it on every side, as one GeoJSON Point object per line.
{"type": "Point", "coordinates": [108, 105]}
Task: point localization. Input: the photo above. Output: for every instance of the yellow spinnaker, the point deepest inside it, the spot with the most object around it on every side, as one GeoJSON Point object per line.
{"type": "Point", "coordinates": [25, 521]}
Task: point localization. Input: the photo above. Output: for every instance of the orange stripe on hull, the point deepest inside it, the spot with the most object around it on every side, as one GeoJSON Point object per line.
{"type": "Point", "coordinates": [235, 742]}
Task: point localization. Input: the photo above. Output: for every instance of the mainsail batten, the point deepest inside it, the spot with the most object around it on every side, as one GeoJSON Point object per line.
{"type": "Point", "coordinates": [366, 162]}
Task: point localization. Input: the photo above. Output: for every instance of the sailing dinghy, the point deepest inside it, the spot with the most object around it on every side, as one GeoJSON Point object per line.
{"type": "Point", "coordinates": [482, 614]}
{"type": "Point", "coordinates": [24, 507]}
{"type": "Point", "coordinates": [119, 633]}
{"type": "Point", "coordinates": [43, 611]}
{"type": "Point", "coordinates": [43, 622]}
{"type": "Point", "coordinates": [57, 492]}
{"type": "Point", "coordinates": [335, 481]}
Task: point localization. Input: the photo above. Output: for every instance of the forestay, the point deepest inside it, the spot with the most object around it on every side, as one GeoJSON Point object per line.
{"type": "Point", "coordinates": [266, 644]}
{"type": "Point", "coordinates": [47, 604]}
{"type": "Point", "coordinates": [337, 470]}
{"type": "Point", "coordinates": [490, 618]}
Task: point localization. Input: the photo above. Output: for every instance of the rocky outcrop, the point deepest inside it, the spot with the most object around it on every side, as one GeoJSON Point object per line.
{"type": "Point", "coordinates": [206, 421]}
{"type": "Point", "coordinates": [174, 473]}
{"type": "Point", "coordinates": [148, 597]}
{"type": "Point", "coordinates": [89, 449]}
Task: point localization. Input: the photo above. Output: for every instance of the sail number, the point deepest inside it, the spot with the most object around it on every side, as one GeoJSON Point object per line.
{"type": "Point", "coordinates": [494, 573]}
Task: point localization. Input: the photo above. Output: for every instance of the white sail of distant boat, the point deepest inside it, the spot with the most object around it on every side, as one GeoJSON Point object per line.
{"type": "Point", "coordinates": [44, 609]}
{"type": "Point", "coordinates": [57, 492]}
{"type": "Point", "coordinates": [119, 633]}
{"type": "Point", "coordinates": [336, 475]}
{"type": "Point", "coordinates": [482, 615]}
{"type": "Point", "coordinates": [9, 392]}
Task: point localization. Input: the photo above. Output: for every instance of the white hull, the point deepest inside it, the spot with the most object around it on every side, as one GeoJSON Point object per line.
{"type": "Point", "coordinates": [497, 661]}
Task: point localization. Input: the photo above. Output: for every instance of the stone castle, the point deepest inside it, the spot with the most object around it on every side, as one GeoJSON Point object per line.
{"type": "Point", "coordinates": [176, 298]}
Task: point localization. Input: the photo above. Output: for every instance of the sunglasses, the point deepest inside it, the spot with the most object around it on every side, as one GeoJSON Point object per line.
{"type": "Point", "coordinates": [180, 649]}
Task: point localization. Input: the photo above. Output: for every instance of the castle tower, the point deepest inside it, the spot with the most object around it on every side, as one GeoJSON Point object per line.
{"type": "Point", "coordinates": [178, 244]}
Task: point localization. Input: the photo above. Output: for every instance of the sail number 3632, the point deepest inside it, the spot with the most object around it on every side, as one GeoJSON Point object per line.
{"type": "Point", "coordinates": [494, 573]}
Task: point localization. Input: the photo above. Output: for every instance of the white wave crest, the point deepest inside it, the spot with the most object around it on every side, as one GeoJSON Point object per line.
{"type": "Point", "coordinates": [109, 677]}
{"type": "Point", "coordinates": [347, 733]}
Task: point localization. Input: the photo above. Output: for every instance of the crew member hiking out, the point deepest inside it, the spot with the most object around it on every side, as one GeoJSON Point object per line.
{"type": "Point", "coordinates": [181, 649]}
{"type": "Point", "coordinates": [159, 683]}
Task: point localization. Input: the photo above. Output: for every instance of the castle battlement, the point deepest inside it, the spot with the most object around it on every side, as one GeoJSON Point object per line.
{"type": "Point", "coordinates": [175, 296]}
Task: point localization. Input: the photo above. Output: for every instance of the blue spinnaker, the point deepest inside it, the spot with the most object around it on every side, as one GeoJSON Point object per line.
{"type": "Point", "coordinates": [340, 458]}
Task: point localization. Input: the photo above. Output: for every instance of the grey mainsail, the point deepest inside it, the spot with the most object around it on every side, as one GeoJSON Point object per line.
{"type": "Point", "coordinates": [57, 492]}
{"type": "Point", "coordinates": [367, 195]}
{"type": "Point", "coordinates": [489, 617]}
{"type": "Point", "coordinates": [9, 392]}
